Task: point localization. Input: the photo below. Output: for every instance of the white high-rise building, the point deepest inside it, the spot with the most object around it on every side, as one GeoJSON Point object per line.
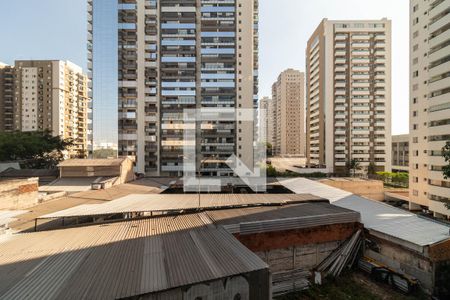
{"type": "Point", "coordinates": [348, 83]}
{"type": "Point", "coordinates": [429, 104]}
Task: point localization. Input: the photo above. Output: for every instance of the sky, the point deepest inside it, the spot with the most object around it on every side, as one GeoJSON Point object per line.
{"type": "Point", "coordinates": [56, 29]}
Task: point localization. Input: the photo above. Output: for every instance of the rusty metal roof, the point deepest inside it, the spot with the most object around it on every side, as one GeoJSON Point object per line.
{"type": "Point", "coordinates": [120, 260]}
{"type": "Point", "coordinates": [179, 202]}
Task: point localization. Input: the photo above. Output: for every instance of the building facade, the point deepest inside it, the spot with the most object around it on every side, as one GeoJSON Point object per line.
{"type": "Point", "coordinates": [263, 121]}
{"type": "Point", "coordinates": [348, 82]}
{"type": "Point", "coordinates": [151, 60]}
{"type": "Point", "coordinates": [400, 153]}
{"type": "Point", "coordinates": [288, 95]}
{"type": "Point", "coordinates": [429, 103]}
{"type": "Point", "coordinates": [46, 95]}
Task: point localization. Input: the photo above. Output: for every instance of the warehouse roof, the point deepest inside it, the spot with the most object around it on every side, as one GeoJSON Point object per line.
{"type": "Point", "coordinates": [376, 215]}
{"type": "Point", "coordinates": [179, 202]}
{"type": "Point", "coordinates": [107, 162]}
{"type": "Point", "coordinates": [120, 260]}
{"type": "Point", "coordinates": [275, 218]}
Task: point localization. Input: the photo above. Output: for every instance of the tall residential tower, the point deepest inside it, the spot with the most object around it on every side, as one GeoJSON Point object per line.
{"type": "Point", "coordinates": [151, 60]}
{"type": "Point", "coordinates": [52, 95]}
{"type": "Point", "coordinates": [288, 96]}
{"type": "Point", "coordinates": [429, 104]}
{"type": "Point", "coordinates": [348, 85]}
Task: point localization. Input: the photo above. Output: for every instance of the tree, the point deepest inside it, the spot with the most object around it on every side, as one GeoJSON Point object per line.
{"type": "Point", "coordinates": [371, 170]}
{"type": "Point", "coordinates": [105, 153]}
{"type": "Point", "coordinates": [33, 149]}
{"type": "Point", "coordinates": [269, 149]}
{"type": "Point", "coordinates": [446, 155]}
{"type": "Point", "coordinates": [352, 166]}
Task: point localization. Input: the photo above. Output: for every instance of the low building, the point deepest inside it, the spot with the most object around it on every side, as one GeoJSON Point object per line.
{"type": "Point", "coordinates": [18, 193]}
{"type": "Point", "coordinates": [406, 243]}
{"type": "Point", "coordinates": [76, 175]}
{"type": "Point", "coordinates": [45, 175]}
{"type": "Point", "coordinates": [120, 167]}
{"type": "Point", "coordinates": [292, 233]}
{"type": "Point", "coordinates": [400, 153]}
{"type": "Point", "coordinates": [175, 257]}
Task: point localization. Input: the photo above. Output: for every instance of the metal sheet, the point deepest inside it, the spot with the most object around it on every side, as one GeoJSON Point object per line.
{"type": "Point", "coordinates": [375, 215]}
{"type": "Point", "coordinates": [120, 260]}
{"type": "Point", "coordinates": [179, 202]}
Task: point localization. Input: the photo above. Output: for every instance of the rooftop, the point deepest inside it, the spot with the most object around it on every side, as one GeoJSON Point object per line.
{"type": "Point", "coordinates": [179, 202]}
{"type": "Point", "coordinates": [92, 162]}
{"type": "Point", "coordinates": [378, 216]}
{"type": "Point", "coordinates": [120, 260]}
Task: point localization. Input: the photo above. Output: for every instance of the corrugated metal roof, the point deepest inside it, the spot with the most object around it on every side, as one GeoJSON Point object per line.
{"type": "Point", "coordinates": [120, 260]}
{"type": "Point", "coordinates": [295, 216]}
{"type": "Point", "coordinates": [107, 162]}
{"type": "Point", "coordinates": [178, 202]}
{"type": "Point", "coordinates": [376, 215]}
{"type": "Point", "coordinates": [8, 216]}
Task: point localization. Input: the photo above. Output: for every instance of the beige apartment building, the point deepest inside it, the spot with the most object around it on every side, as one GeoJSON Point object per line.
{"type": "Point", "coordinates": [400, 153]}
{"type": "Point", "coordinates": [348, 82]}
{"type": "Point", "coordinates": [39, 95]}
{"type": "Point", "coordinates": [287, 118]}
{"type": "Point", "coordinates": [429, 103]}
{"type": "Point", "coordinates": [263, 121]}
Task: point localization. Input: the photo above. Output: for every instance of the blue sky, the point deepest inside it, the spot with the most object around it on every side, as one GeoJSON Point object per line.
{"type": "Point", "coordinates": [56, 29]}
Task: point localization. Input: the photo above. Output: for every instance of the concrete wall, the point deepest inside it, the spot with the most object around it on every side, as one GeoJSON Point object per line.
{"type": "Point", "coordinates": [127, 172]}
{"type": "Point", "coordinates": [403, 261]}
{"type": "Point", "coordinates": [84, 171]}
{"type": "Point", "coordinates": [18, 193]}
{"type": "Point", "coordinates": [300, 248]}
{"type": "Point", "coordinates": [371, 189]}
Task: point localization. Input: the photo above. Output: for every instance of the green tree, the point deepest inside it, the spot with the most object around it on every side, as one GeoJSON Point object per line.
{"type": "Point", "coordinates": [33, 149]}
{"type": "Point", "coordinates": [105, 153]}
{"type": "Point", "coordinates": [269, 149]}
{"type": "Point", "coordinates": [446, 155]}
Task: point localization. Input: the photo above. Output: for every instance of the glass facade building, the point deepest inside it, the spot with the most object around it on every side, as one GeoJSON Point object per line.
{"type": "Point", "coordinates": [151, 60]}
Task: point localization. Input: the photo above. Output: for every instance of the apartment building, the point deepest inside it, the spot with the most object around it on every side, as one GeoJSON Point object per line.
{"type": "Point", "coordinates": [6, 97]}
{"type": "Point", "coordinates": [348, 81]}
{"type": "Point", "coordinates": [152, 60]}
{"type": "Point", "coordinates": [400, 153]}
{"type": "Point", "coordinates": [263, 121]}
{"type": "Point", "coordinates": [429, 103]}
{"type": "Point", "coordinates": [271, 122]}
{"type": "Point", "coordinates": [40, 95]}
{"type": "Point", "coordinates": [288, 95]}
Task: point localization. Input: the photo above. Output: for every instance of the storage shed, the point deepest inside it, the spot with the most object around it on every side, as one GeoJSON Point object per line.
{"type": "Point", "coordinates": [122, 168]}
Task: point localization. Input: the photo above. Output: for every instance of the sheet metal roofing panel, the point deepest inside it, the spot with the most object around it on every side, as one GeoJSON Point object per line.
{"type": "Point", "coordinates": [120, 260]}
{"type": "Point", "coordinates": [376, 215]}
{"type": "Point", "coordinates": [177, 202]}
{"type": "Point", "coordinates": [91, 162]}
{"type": "Point", "coordinates": [266, 219]}
{"type": "Point", "coordinates": [8, 216]}
{"type": "Point", "coordinates": [266, 213]}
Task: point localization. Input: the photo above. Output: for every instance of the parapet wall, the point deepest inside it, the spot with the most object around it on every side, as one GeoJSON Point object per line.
{"type": "Point", "coordinates": [18, 193]}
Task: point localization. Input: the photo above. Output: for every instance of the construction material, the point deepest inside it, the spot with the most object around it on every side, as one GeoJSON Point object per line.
{"type": "Point", "coordinates": [343, 256]}
{"type": "Point", "coordinates": [290, 281]}
{"type": "Point", "coordinates": [386, 275]}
